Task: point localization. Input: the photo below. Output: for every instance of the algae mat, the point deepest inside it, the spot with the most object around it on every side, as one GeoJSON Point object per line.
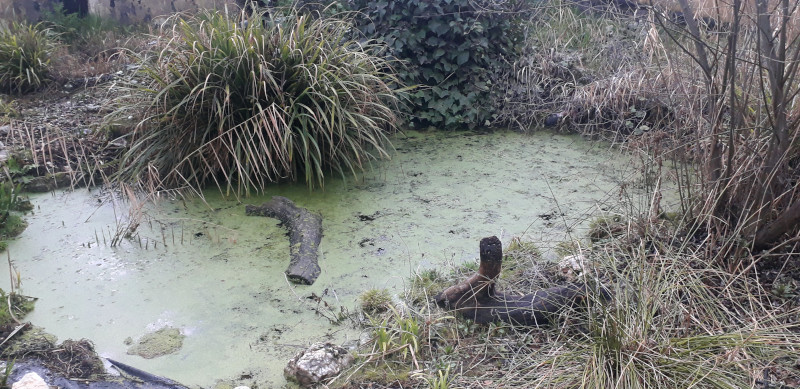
{"type": "Point", "coordinates": [217, 275]}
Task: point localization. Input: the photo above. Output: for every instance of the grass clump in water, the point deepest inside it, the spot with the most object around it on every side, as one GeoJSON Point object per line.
{"type": "Point", "coordinates": [25, 54]}
{"type": "Point", "coordinates": [375, 301]}
{"type": "Point", "coordinates": [242, 101]}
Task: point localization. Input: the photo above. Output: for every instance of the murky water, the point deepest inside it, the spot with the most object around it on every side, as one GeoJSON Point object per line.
{"type": "Point", "coordinates": [218, 275]}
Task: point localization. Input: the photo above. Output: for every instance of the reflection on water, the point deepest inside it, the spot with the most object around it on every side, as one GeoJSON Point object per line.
{"type": "Point", "coordinates": [218, 275]}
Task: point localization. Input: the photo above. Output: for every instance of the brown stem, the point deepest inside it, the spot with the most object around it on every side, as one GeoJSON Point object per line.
{"type": "Point", "coordinates": [770, 233]}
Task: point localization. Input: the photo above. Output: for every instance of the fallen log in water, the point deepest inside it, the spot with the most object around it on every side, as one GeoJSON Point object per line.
{"type": "Point", "coordinates": [305, 234]}
{"type": "Point", "coordinates": [477, 299]}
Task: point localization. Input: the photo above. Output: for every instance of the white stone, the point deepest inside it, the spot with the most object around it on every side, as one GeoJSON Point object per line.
{"type": "Point", "coordinates": [573, 265]}
{"type": "Point", "coordinates": [30, 381]}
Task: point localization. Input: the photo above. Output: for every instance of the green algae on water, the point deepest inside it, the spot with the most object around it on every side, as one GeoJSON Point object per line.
{"type": "Point", "coordinates": [155, 344]}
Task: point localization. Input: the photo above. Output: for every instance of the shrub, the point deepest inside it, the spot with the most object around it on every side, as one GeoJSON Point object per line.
{"type": "Point", "coordinates": [90, 34]}
{"type": "Point", "coordinates": [736, 110]}
{"type": "Point", "coordinates": [25, 52]}
{"type": "Point", "coordinates": [452, 50]}
{"type": "Point", "coordinates": [7, 111]}
{"type": "Point", "coordinates": [245, 101]}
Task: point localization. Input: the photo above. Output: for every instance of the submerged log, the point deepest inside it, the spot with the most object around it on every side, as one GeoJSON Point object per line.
{"type": "Point", "coordinates": [477, 299]}
{"type": "Point", "coordinates": [305, 233]}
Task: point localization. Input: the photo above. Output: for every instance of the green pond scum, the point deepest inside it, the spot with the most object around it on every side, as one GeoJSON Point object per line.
{"type": "Point", "coordinates": [204, 269]}
{"type": "Point", "coordinates": [164, 341]}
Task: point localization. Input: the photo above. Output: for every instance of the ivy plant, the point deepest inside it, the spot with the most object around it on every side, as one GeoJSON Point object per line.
{"type": "Point", "coordinates": [451, 49]}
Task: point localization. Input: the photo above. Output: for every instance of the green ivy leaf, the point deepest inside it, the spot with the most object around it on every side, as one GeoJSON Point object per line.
{"type": "Point", "coordinates": [453, 73]}
{"type": "Point", "coordinates": [462, 58]}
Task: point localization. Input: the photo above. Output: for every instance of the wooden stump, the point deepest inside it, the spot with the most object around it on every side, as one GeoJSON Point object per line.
{"type": "Point", "coordinates": [477, 299]}
{"type": "Point", "coordinates": [305, 234]}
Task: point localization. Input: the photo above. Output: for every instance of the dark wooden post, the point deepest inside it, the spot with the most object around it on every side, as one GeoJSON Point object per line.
{"type": "Point", "coordinates": [480, 286]}
{"type": "Point", "coordinates": [476, 297]}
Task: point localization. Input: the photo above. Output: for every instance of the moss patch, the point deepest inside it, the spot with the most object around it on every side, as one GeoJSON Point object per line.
{"type": "Point", "coordinates": [32, 338]}
{"type": "Point", "coordinates": [20, 306]}
{"type": "Point", "coordinates": [155, 344]}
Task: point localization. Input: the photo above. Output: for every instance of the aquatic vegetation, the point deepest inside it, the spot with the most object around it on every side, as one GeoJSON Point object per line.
{"type": "Point", "coordinates": [25, 54]}
{"type": "Point", "coordinates": [155, 344]}
{"type": "Point", "coordinates": [13, 307]}
{"type": "Point", "coordinates": [11, 202]}
{"type": "Point", "coordinates": [241, 101]}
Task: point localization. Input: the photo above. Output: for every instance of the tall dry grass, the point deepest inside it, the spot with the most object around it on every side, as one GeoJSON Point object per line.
{"type": "Point", "coordinates": [717, 91]}
{"type": "Point", "coordinates": [740, 123]}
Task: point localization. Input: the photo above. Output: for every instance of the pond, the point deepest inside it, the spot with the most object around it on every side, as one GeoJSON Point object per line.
{"type": "Point", "coordinates": [217, 275]}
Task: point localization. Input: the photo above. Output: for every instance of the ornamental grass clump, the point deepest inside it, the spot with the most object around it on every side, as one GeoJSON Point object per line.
{"type": "Point", "coordinates": [243, 101]}
{"type": "Point", "coordinates": [25, 53]}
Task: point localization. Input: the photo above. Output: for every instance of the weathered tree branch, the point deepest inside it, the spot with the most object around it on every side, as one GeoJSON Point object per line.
{"type": "Point", "coordinates": [305, 234]}
{"type": "Point", "coordinates": [476, 298]}
{"type": "Point", "coordinates": [786, 222]}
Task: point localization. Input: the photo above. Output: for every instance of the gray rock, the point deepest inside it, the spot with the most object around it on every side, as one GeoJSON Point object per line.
{"type": "Point", "coordinates": [318, 362]}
